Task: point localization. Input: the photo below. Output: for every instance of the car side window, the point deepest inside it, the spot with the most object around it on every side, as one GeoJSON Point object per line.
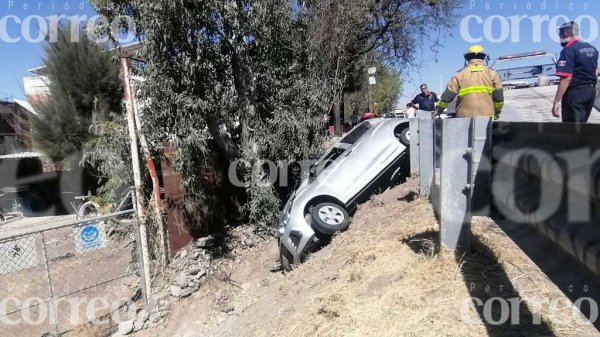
{"type": "Point", "coordinates": [356, 133]}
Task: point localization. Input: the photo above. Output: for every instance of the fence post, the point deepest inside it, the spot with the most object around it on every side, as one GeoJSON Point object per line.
{"type": "Point", "coordinates": [53, 307]}
{"type": "Point", "coordinates": [434, 194]}
{"type": "Point", "coordinates": [425, 155]}
{"type": "Point", "coordinates": [481, 142]}
{"type": "Point", "coordinates": [455, 183]}
{"type": "Point", "coordinates": [142, 253]}
{"type": "Point", "coordinates": [414, 146]}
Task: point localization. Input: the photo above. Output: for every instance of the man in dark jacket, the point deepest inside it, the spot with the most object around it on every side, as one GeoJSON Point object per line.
{"type": "Point", "coordinates": [578, 70]}
{"type": "Point", "coordinates": [426, 99]}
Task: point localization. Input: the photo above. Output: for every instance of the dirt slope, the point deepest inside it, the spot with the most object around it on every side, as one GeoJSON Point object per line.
{"type": "Point", "coordinates": [383, 277]}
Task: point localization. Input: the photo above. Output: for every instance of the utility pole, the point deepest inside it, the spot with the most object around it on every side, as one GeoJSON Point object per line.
{"type": "Point", "coordinates": [137, 180]}
{"type": "Point", "coordinates": [372, 81]}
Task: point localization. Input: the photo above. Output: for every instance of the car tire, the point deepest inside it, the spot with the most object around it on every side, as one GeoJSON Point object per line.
{"type": "Point", "coordinates": [329, 218]}
{"type": "Point", "coordinates": [404, 136]}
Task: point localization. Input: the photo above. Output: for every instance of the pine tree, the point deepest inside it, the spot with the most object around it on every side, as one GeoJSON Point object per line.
{"type": "Point", "coordinates": [84, 89]}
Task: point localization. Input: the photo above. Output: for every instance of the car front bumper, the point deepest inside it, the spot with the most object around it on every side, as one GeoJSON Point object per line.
{"type": "Point", "coordinates": [295, 233]}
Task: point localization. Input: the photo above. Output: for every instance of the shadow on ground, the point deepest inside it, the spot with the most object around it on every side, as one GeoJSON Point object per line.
{"type": "Point", "coordinates": [490, 288]}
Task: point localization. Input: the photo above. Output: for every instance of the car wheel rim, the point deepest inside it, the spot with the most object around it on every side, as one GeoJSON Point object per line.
{"type": "Point", "coordinates": [331, 215]}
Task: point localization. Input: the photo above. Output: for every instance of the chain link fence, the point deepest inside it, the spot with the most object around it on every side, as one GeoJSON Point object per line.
{"type": "Point", "coordinates": [74, 278]}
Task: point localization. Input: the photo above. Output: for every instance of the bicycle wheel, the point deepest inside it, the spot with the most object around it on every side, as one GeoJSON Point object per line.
{"type": "Point", "coordinates": [88, 210]}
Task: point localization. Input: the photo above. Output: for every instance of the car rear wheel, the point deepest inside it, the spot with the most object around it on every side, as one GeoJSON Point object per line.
{"type": "Point", "coordinates": [329, 218]}
{"type": "Point", "coordinates": [404, 136]}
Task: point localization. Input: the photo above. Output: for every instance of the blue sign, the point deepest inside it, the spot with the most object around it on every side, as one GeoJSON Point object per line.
{"type": "Point", "coordinates": [91, 237]}
{"type": "Point", "coordinates": [89, 234]}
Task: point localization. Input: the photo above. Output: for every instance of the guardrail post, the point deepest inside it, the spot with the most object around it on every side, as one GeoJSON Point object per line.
{"type": "Point", "coordinates": [455, 183]}
{"type": "Point", "coordinates": [425, 155]}
{"type": "Point", "coordinates": [422, 114]}
{"type": "Point", "coordinates": [481, 142]}
{"type": "Point", "coordinates": [414, 146]}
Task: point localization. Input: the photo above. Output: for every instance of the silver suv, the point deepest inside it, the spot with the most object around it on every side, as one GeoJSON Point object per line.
{"type": "Point", "coordinates": [372, 156]}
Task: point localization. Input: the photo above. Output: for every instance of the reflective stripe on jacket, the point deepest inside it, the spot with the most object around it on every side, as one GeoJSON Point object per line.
{"type": "Point", "coordinates": [479, 91]}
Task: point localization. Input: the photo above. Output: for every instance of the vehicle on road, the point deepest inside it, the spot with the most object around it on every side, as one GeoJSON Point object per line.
{"type": "Point", "coordinates": [367, 115]}
{"type": "Point", "coordinates": [373, 156]}
{"type": "Point", "coordinates": [394, 114]}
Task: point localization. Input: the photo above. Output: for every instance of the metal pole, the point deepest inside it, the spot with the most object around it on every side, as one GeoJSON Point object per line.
{"type": "Point", "coordinates": [146, 284]}
{"type": "Point", "coordinates": [369, 98]}
{"type": "Point", "coordinates": [135, 162]}
{"type": "Point", "coordinates": [414, 146]}
{"type": "Point", "coordinates": [53, 310]}
{"type": "Point", "coordinates": [425, 155]}
{"type": "Point", "coordinates": [162, 228]}
{"type": "Point", "coordinates": [455, 188]}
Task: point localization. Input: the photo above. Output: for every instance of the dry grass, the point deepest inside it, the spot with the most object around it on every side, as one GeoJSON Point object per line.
{"type": "Point", "coordinates": [385, 277]}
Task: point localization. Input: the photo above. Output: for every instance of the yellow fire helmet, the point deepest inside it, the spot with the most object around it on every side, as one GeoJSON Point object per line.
{"type": "Point", "coordinates": [476, 50]}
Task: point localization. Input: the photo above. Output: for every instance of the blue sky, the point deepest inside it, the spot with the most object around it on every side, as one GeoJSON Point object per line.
{"type": "Point", "coordinates": [499, 13]}
{"type": "Point", "coordinates": [17, 57]}
{"type": "Point", "coordinates": [499, 16]}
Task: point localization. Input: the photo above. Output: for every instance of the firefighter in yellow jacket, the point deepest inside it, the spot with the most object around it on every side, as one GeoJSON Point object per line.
{"type": "Point", "coordinates": [478, 87]}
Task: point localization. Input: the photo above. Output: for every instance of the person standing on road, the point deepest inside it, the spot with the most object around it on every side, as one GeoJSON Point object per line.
{"type": "Point", "coordinates": [354, 118]}
{"type": "Point", "coordinates": [578, 70]}
{"type": "Point", "coordinates": [426, 99]}
{"type": "Point", "coordinates": [479, 88]}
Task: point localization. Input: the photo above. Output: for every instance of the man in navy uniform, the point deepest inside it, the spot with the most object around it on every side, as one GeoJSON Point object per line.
{"type": "Point", "coordinates": [426, 99]}
{"type": "Point", "coordinates": [578, 70]}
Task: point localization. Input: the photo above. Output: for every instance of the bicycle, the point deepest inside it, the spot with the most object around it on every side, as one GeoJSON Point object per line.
{"type": "Point", "coordinates": [83, 209]}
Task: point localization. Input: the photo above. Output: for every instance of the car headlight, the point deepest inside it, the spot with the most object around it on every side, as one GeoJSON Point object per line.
{"type": "Point", "coordinates": [295, 238]}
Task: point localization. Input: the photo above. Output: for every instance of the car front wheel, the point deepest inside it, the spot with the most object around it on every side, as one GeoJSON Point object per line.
{"type": "Point", "coordinates": [329, 218]}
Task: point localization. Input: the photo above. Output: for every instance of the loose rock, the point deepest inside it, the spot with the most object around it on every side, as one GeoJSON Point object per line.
{"type": "Point", "coordinates": [227, 308]}
{"type": "Point", "coordinates": [196, 270]}
{"type": "Point", "coordinates": [205, 242]}
{"type": "Point", "coordinates": [125, 328]}
{"type": "Point", "coordinates": [176, 291]}
{"type": "Point", "coordinates": [182, 280]}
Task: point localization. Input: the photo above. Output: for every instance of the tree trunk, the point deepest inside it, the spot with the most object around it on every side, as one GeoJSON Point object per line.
{"type": "Point", "coordinates": [244, 82]}
{"type": "Point", "coordinates": [223, 140]}
{"type": "Point", "coordinates": [336, 115]}
{"type": "Point", "coordinates": [347, 110]}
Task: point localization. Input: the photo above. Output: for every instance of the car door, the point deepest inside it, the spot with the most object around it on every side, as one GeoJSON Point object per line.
{"type": "Point", "coordinates": [345, 176]}
{"type": "Point", "coordinates": [380, 150]}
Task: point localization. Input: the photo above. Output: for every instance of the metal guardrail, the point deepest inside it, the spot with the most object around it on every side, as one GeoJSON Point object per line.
{"type": "Point", "coordinates": [454, 167]}
{"type": "Point", "coordinates": [546, 175]}
{"type": "Point", "coordinates": [540, 182]}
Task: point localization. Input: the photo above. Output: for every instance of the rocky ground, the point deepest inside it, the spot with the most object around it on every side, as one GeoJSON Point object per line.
{"type": "Point", "coordinates": [385, 276]}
